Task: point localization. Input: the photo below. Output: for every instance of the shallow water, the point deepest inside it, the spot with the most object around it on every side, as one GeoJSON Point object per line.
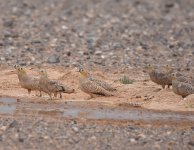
{"type": "Point", "coordinates": [6, 106]}
{"type": "Point", "coordinates": [6, 109]}
{"type": "Point", "coordinates": [131, 114]}
{"type": "Point", "coordinates": [7, 100]}
{"type": "Point", "coordinates": [84, 110]}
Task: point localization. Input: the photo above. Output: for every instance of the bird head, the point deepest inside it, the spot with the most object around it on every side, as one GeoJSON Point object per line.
{"type": "Point", "coordinates": [43, 72]}
{"type": "Point", "coordinates": [21, 70]}
{"type": "Point", "coordinates": [82, 71]}
{"type": "Point", "coordinates": [149, 68]}
{"type": "Point", "coordinates": [168, 68]}
{"type": "Point", "coordinates": [173, 76]}
{"type": "Point", "coordinates": [16, 66]}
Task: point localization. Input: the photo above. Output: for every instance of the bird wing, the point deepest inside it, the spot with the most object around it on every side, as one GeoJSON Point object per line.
{"type": "Point", "coordinates": [185, 88]}
{"type": "Point", "coordinates": [31, 82]}
{"type": "Point", "coordinates": [90, 86]}
{"type": "Point", "coordinates": [163, 78]}
{"type": "Point", "coordinates": [54, 86]}
{"type": "Point", "coordinates": [103, 84]}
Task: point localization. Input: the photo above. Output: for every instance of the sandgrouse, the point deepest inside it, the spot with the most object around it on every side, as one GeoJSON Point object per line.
{"type": "Point", "coordinates": [93, 86]}
{"type": "Point", "coordinates": [52, 87]}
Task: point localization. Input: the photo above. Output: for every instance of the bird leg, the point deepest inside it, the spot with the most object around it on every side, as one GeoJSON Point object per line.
{"type": "Point", "coordinates": [163, 86]}
{"type": "Point", "coordinates": [40, 94]}
{"type": "Point", "coordinates": [29, 91]}
{"type": "Point", "coordinates": [55, 94]}
{"type": "Point", "coordinates": [60, 96]}
{"type": "Point", "coordinates": [184, 97]}
{"type": "Point", "coordinates": [50, 95]}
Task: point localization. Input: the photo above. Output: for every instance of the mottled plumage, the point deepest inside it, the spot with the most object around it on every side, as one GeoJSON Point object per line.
{"type": "Point", "coordinates": [170, 70]}
{"type": "Point", "coordinates": [29, 82]}
{"type": "Point", "coordinates": [103, 84]}
{"type": "Point", "coordinates": [179, 76]}
{"type": "Point", "coordinates": [158, 77]}
{"type": "Point", "coordinates": [185, 80]}
{"type": "Point", "coordinates": [181, 87]}
{"type": "Point", "coordinates": [94, 86]}
{"type": "Point", "coordinates": [50, 86]}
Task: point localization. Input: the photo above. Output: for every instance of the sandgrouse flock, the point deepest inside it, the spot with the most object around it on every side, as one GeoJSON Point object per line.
{"type": "Point", "coordinates": [181, 84]}
{"type": "Point", "coordinates": [42, 83]}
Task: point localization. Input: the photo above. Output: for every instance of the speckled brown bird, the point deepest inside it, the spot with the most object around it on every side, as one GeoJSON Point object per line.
{"type": "Point", "coordinates": [181, 88]}
{"type": "Point", "coordinates": [105, 85]}
{"type": "Point", "coordinates": [183, 78]}
{"type": "Point", "coordinates": [52, 87]}
{"type": "Point", "coordinates": [170, 70]}
{"type": "Point", "coordinates": [93, 86]}
{"type": "Point", "coordinates": [179, 76]}
{"type": "Point", "coordinates": [29, 82]}
{"type": "Point", "coordinates": [160, 78]}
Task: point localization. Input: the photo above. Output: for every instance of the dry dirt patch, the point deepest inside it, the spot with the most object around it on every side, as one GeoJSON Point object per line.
{"type": "Point", "coordinates": [142, 89]}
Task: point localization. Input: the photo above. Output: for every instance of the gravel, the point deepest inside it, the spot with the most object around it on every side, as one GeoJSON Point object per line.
{"type": "Point", "coordinates": [107, 33]}
{"type": "Point", "coordinates": [53, 59]}
{"type": "Point", "coordinates": [104, 33]}
{"type": "Point", "coordinates": [44, 133]}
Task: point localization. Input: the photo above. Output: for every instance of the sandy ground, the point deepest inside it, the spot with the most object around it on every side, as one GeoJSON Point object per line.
{"type": "Point", "coordinates": [104, 36]}
{"type": "Point", "coordinates": [142, 90]}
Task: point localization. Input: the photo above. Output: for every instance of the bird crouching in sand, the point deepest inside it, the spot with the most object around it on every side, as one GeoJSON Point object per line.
{"type": "Point", "coordinates": [105, 85]}
{"type": "Point", "coordinates": [93, 86]}
{"type": "Point", "coordinates": [29, 82]}
{"type": "Point", "coordinates": [181, 88]}
{"type": "Point", "coordinates": [52, 87]}
{"type": "Point", "coordinates": [158, 77]}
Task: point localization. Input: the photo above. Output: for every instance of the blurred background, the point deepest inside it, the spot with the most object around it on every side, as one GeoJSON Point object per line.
{"type": "Point", "coordinates": [109, 33]}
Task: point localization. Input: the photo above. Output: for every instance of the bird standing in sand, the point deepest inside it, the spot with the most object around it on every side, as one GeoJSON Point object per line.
{"type": "Point", "coordinates": [52, 87]}
{"type": "Point", "coordinates": [179, 76]}
{"type": "Point", "coordinates": [181, 88]}
{"type": "Point", "coordinates": [93, 86]}
{"type": "Point", "coordinates": [29, 82]}
{"type": "Point", "coordinates": [170, 70]}
{"type": "Point", "coordinates": [160, 78]}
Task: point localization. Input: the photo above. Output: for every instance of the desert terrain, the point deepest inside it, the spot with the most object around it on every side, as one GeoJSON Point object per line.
{"type": "Point", "coordinates": [112, 39]}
